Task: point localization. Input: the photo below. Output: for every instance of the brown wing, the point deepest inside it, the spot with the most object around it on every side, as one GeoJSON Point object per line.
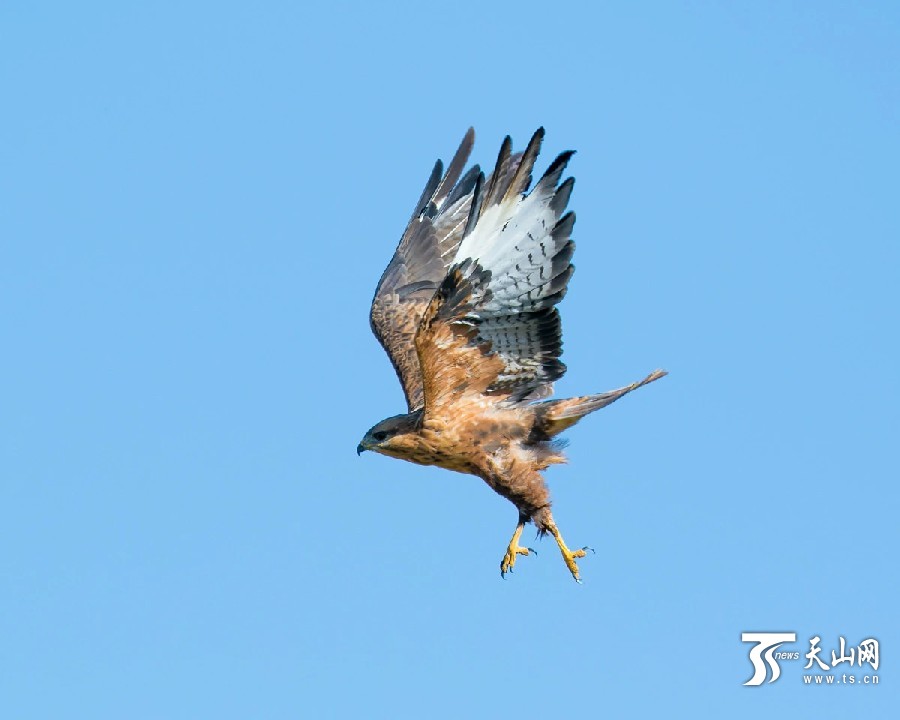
{"type": "Point", "coordinates": [456, 364]}
{"type": "Point", "coordinates": [492, 328]}
{"type": "Point", "coordinates": [420, 263]}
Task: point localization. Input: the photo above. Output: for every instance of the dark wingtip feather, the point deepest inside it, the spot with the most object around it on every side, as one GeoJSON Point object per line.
{"type": "Point", "coordinates": [551, 177]}
{"type": "Point", "coordinates": [564, 225]}
{"type": "Point", "coordinates": [496, 177]}
{"type": "Point", "coordinates": [559, 283]}
{"type": "Point", "coordinates": [454, 170]}
{"type": "Point", "coordinates": [475, 209]}
{"type": "Point", "coordinates": [561, 198]}
{"type": "Point", "coordinates": [464, 186]}
{"type": "Point", "coordinates": [433, 182]}
{"type": "Point", "coordinates": [522, 179]}
{"type": "Point", "coordinates": [563, 258]}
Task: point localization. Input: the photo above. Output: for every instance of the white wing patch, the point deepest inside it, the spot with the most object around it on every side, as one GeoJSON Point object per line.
{"type": "Point", "coordinates": [523, 241]}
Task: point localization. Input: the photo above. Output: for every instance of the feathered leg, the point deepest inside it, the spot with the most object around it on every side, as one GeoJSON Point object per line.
{"type": "Point", "coordinates": [509, 560]}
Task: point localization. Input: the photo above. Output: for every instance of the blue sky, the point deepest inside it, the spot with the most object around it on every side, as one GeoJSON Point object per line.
{"type": "Point", "coordinates": [197, 202]}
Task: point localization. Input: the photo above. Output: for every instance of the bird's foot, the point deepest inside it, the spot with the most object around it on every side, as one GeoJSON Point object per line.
{"type": "Point", "coordinates": [569, 556]}
{"type": "Point", "coordinates": [514, 550]}
{"type": "Point", "coordinates": [509, 560]}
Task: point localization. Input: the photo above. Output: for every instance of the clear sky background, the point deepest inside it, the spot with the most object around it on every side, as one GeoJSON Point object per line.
{"type": "Point", "coordinates": [196, 202]}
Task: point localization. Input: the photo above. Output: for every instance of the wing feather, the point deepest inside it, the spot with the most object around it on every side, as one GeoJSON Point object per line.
{"type": "Point", "coordinates": [419, 264]}
{"type": "Point", "coordinates": [495, 313]}
{"type": "Point", "coordinates": [425, 252]}
{"type": "Point", "coordinates": [456, 364]}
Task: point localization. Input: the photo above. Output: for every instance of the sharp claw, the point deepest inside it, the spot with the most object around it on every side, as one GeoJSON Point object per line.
{"type": "Point", "coordinates": [578, 580]}
{"type": "Point", "coordinates": [589, 548]}
{"type": "Point", "coordinates": [532, 550]}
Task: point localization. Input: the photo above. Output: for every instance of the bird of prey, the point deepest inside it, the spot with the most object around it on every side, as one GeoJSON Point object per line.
{"type": "Point", "coordinates": [466, 311]}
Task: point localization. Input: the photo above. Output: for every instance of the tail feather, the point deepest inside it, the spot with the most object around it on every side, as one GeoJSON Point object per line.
{"type": "Point", "coordinates": [559, 415]}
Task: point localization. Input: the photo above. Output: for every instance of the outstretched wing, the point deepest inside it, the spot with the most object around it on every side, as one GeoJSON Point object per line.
{"type": "Point", "coordinates": [492, 328]}
{"type": "Point", "coordinates": [420, 263]}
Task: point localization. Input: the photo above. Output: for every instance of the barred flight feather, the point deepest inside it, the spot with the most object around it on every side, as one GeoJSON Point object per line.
{"type": "Point", "coordinates": [521, 246]}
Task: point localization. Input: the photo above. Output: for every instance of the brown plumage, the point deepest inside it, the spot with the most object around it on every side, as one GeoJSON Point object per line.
{"type": "Point", "coordinates": [466, 312]}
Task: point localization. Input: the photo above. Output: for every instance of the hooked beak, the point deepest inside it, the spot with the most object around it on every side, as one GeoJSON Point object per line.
{"type": "Point", "coordinates": [360, 449]}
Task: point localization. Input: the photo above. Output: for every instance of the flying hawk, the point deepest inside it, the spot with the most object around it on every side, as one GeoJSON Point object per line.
{"type": "Point", "coordinates": [466, 312]}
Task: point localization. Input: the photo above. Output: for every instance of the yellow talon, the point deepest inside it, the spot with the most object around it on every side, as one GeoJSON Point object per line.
{"type": "Point", "coordinates": [509, 559]}
{"type": "Point", "coordinates": [568, 555]}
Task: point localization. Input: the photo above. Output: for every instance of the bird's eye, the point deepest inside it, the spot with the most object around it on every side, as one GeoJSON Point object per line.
{"type": "Point", "coordinates": [380, 435]}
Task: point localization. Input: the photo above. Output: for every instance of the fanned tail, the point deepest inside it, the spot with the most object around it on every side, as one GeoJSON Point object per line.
{"type": "Point", "coordinates": [555, 416]}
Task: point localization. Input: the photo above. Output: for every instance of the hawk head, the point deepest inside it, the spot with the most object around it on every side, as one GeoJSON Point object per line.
{"type": "Point", "coordinates": [381, 437]}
